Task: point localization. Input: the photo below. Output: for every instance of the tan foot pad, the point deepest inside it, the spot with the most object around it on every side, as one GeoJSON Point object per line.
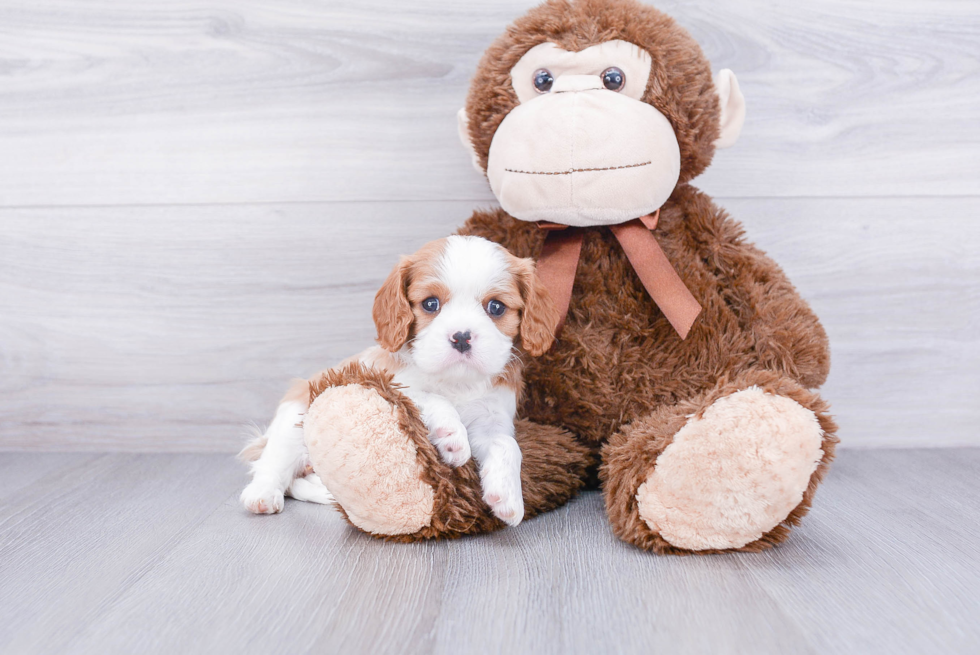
{"type": "Point", "coordinates": [367, 463]}
{"type": "Point", "coordinates": [734, 474]}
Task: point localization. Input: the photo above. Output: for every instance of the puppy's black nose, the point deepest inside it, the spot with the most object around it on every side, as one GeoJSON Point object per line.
{"type": "Point", "coordinates": [461, 341]}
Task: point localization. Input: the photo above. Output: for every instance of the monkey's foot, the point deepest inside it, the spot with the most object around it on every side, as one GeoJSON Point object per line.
{"type": "Point", "coordinates": [732, 474]}
{"type": "Point", "coordinates": [732, 469]}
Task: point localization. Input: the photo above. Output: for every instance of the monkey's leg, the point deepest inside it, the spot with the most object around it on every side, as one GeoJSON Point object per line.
{"type": "Point", "coordinates": [731, 469]}
{"type": "Point", "coordinates": [372, 451]}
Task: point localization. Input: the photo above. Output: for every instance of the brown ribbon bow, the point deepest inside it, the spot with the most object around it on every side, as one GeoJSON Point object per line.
{"type": "Point", "coordinates": [563, 245]}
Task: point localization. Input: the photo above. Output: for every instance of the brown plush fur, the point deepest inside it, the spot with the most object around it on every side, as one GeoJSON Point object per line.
{"type": "Point", "coordinates": [553, 467]}
{"type": "Point", "coordinates": [619, 372]}
{"type": "Point", "coordinates": [618, 358]}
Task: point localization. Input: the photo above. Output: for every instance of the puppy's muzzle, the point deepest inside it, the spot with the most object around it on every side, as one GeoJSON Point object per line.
{"type": "Point", "coordinates": [461, 341]}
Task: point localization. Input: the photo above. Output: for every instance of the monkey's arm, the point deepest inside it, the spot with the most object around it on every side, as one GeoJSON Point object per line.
{"type": "Point", "coordinates": [786, 333]}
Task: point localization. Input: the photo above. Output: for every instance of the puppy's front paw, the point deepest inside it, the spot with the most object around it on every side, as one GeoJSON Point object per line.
{"type": "Point", "coordinates": [261, 498]}
{"type": "Point", "coordinates": [503, 494]}
{"type": "Point", "coordinates": [451, 441]}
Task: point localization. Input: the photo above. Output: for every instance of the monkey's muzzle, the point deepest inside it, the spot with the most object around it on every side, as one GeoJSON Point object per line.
{"type": "Point", "coordinates": [583, 157]}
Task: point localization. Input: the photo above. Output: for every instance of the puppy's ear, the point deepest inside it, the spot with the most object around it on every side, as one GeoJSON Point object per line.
{"type": "Point", "coordinates": [540, 317]}
{"type": "Point", "coordinates": [392, 312]}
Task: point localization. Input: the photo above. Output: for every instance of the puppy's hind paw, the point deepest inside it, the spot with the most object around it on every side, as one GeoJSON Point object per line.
{"type": "Point", "coordinates": [261, 498]}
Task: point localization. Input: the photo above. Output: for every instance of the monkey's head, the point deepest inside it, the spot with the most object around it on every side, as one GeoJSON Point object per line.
{"type": "Point", "coordinates": [590, 112]}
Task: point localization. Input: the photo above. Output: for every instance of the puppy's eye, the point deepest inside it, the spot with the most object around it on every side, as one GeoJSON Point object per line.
{"type": "Point", "coordinates": [613, 79]}
{"type": "Point", "coordinates": [431, 304]}
{"type": "Point", "coordinates": [496, 308]}
{"type": "Point", "coordinates": [543, 80]}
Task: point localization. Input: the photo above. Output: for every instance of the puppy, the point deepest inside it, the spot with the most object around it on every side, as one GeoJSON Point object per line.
{"type": "Point", "coordinates": [453, 320]}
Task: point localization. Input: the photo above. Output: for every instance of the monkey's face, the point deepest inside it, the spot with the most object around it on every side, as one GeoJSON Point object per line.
{"type": "Point", "coordinates": [600, 133]}
{"type": "Point", "coordinates": [582, 148]}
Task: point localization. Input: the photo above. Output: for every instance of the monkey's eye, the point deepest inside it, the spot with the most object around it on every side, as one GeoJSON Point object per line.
{"type": "Point", "coordinates": [431, 304]}
{"type": "Point", "coordinates": [496, 308]}
{"type": "Point", "coordinates": [543, 80]}
{"type": "Point", "coordinates": [613, 79]}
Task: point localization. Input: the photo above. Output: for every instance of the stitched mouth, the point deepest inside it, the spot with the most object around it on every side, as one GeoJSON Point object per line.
{"type": "Point", "coordinates": [577, 170]}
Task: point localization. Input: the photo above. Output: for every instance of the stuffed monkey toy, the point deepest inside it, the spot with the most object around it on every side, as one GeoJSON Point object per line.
{"type": "Point", "coordinates": [686, 361]}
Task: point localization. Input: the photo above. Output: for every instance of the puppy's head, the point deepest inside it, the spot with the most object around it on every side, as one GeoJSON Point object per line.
{"type": "Point", "coordinates": [460, 304]}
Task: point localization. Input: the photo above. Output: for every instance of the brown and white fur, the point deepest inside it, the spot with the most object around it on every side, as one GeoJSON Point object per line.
{"type": "Point", "coordinates": [444, 338]}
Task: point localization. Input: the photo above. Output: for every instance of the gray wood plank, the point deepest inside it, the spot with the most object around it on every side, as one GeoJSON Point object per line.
{"type": "Point", "coordinates": [20, 474]}
{"type": "Point", "coordinates": [226, 101]}
{"type": "Point", "coordinates": [885, 563]}
{"type": "Point", "coordinates": [239, 584]}
{"type": "Point", "coordinates": [184, 325]}
{"type": "Point", "coordinates": [302, 581]}
{"type": "Point", "coordinates": [171, 330]}
{"type": "Point", "coordinates": [565, 584]}
{"type": "Point", "coordinates": [71, 548]}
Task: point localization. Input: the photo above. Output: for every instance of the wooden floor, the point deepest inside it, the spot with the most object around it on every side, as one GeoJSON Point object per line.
{"type": "Point", "coordinates": [152, 554]}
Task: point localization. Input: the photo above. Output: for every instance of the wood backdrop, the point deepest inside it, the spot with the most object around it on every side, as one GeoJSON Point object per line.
{"type": "Point", "coordinates": [198, 199]}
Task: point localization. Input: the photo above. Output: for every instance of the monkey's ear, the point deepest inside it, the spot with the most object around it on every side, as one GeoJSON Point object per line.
{"type": "Point", "coordinates": [463, 125]}
{"type": "Point", "coordinates": [732, 108]}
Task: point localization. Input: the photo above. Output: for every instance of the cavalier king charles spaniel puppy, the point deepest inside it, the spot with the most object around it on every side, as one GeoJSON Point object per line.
{"type": "Point", "coordinates": [453, 321]}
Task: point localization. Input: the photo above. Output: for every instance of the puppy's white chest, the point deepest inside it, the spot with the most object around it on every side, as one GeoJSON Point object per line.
{"type": "Point", "coordinates": [458, 392]}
